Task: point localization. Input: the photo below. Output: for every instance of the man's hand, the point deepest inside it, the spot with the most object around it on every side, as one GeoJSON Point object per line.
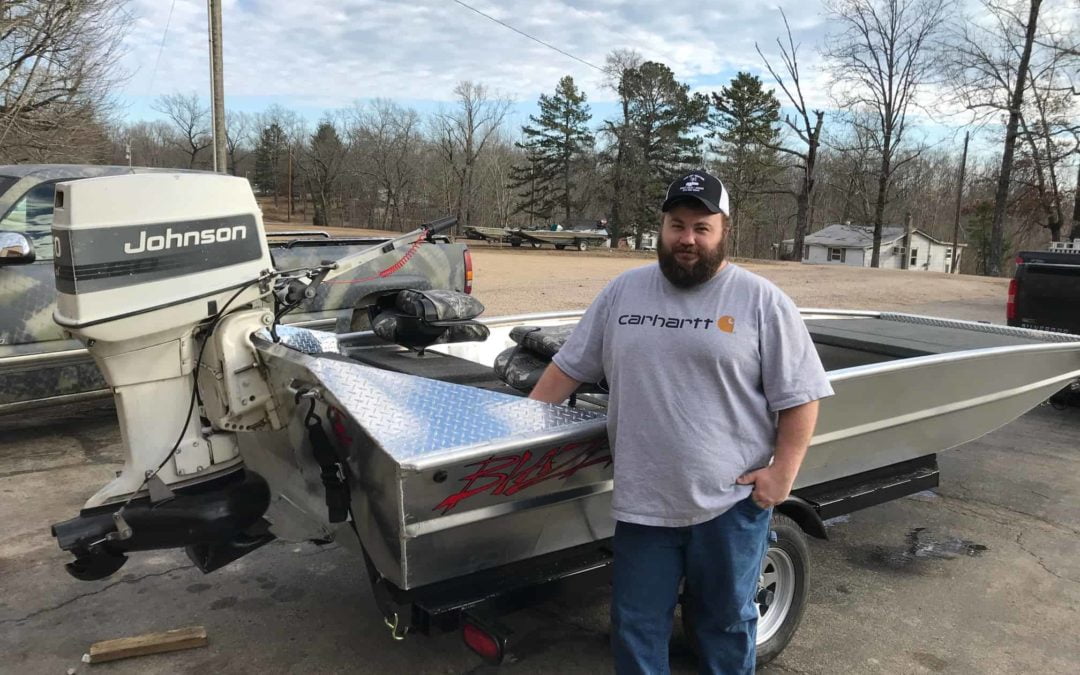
{"type": "Point", "coordinates": [772, 485]}
{"type": "Point", "coordinates": [794, 428]}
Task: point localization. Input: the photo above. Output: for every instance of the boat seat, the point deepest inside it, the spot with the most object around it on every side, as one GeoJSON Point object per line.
{"type": "Point", "coordinates": [522, 365]}
{"type": "Point", "coordinates": [417, 319]}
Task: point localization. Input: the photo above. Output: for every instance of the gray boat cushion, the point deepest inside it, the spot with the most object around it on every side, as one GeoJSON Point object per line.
{"type": "Point", "coordinates": [422, 318]}
{"type": "Point", "coordinates": [438, 305]}
{"type": "Point", "coordinates": [520, 368]}
{"type": "Point", "coordinates": [407, 331]}
{"type": "Point", "coordinates": [522, 365]}
{"type": "Point", "coordinates": [545, 341]}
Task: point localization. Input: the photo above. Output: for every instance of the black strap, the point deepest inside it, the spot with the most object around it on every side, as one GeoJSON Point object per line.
{"type": "Point", "coordinates": [332, 471]}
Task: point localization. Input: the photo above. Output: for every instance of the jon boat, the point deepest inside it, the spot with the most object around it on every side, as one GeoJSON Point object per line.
{"type": "Point", "coordinates": [581, 240]}
{"type": "Point", "coordinates": [459, 474]}
{"type": "Point", "coordinates": [496, 234]}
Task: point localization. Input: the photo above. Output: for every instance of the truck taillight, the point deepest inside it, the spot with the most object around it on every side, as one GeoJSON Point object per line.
{"type": "Point", "coordinates": [468, 271]}
{"type": "Point", "coordinates": [1010, 304]}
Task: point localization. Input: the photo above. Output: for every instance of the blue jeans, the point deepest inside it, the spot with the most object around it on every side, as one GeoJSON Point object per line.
{"type": "Point", "coordinates": [720, 560]}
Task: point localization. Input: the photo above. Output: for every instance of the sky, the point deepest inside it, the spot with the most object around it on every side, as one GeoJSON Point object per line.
{"type": "Point", "coordinates": [314, 56]}
{"type": "Point", "coordinates": [319, 55]}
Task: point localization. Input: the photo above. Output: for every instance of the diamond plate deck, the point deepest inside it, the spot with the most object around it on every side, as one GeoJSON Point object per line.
{"type": "Point", "coordinates": [305, 340]}
{"type": "Point", "coordinates": [413, 417]}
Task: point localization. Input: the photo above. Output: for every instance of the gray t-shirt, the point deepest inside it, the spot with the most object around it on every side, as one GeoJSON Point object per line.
{"type": "Point", "coordinates": [696, 378]}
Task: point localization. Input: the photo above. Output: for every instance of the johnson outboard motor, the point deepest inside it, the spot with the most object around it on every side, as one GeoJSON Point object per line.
{"type": "Point", "coordinates": [163, 277]}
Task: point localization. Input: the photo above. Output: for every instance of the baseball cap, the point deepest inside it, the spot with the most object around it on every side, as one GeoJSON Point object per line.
{"type": "Point", "coordinates": [702, 186]}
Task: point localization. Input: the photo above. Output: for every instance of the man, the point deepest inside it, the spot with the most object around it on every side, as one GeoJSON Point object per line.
{"type": "Point", "coordinates": [714, 384]}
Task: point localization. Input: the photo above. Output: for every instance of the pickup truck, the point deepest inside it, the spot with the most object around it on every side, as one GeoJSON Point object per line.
{"type": "Point", "coordinates": [1044, 294]}
{"type": "Point", "coordinates": [41, 366]}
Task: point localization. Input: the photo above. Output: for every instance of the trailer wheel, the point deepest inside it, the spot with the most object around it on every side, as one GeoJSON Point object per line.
{"type": "Point", "coordinates": [582, 245]}
{"type": "Point", "coordinates": [536, 244]}
{"type": "Point", "coordinates": [515, 243]}
{"type": "Point", "coordinates": [782, 590]}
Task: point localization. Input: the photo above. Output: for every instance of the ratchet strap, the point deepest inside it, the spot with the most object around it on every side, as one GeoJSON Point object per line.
{"type": "Point", "coordinates": [332, 470]}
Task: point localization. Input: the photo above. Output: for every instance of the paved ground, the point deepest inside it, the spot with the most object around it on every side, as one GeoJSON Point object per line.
{"type": "Point", "coordinates": [981, 576]}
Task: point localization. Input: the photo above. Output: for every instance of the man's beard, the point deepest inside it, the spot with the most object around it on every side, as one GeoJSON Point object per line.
{"type": "Point", "coordinates": [702, 270]}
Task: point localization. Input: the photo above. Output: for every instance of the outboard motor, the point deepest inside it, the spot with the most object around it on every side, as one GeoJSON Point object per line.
{"type": "Point", "coordinates": [162, 276]}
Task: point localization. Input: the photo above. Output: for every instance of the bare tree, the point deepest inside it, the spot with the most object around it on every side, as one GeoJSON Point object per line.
{"type": "Point", "coordinates": [57, 66]}
{"type": "Point", "coordinates": [990, 67]}
{"type": "Point", "coordinates": [239, 127]}
{"type": "Point", "coordinates": [389, 138]}
{"type": "Point", "coordinates": [463, 135]}
{"type": "Point", "coordinates": [618, 63]}
{"type": "Point", "coordinates": [1020, 64]}
{"type": "Point", "coordinates": [880, 58]}
{"type": "Point", "coordinates": [191, 120]}
{"type": "Point", "coordinates": [808, 133]}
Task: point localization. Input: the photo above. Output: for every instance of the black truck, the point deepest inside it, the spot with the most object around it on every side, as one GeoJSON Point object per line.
{"type": "Point", "coordinates": [1044, 294]}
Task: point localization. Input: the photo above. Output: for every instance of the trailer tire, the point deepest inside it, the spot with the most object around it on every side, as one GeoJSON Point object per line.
{"type": "Point", "coordinates": [582, 245]}
{"type": "Point", "coordinates": [786, 576]}
{"type": "Point", "coordinates": [536, 244]}
{"type": "Point", "coordinates": [515, 243]}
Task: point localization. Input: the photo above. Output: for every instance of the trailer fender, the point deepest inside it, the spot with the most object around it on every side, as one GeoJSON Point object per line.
{"type": "Point", "coordinates": [804, 515]}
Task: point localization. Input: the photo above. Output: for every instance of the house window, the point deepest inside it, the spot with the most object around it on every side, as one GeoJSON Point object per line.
{"type": "Point", "coordinates": [838, 254]}
{"type": "Point", "coordinates": [914, 257]}
{"type": "Point", "coordinates": [948, 253]}
{"type": "Point", "coordinates": [898, 250]}
{"type": "Point", "coordinates": [805, 252]}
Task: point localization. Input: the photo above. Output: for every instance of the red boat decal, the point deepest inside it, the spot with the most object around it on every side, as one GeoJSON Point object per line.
{"type": "Point", "coordinates": [507, 475]}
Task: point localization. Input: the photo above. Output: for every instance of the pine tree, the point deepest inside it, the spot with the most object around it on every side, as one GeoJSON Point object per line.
{"type": "Point", "coordinates": [555, 142]}
{"type": "Point", "coordinates": [268, 158]}
{"type": "Point", "coordinates": [744, 122]}
{"type": "Point", "coordinates": [663, 117]}
{"type": "Point", "coordinates": [324, 160]}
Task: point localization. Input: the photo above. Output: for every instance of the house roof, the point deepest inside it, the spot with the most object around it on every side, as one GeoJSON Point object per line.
{"type": "Point", "coordinates": [852, 236]}
{"type": "Point", "coordinates": [860, 236]}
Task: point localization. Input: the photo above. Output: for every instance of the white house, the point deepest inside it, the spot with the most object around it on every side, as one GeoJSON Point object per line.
{"type": "Point", "coordinates": [853, 245]}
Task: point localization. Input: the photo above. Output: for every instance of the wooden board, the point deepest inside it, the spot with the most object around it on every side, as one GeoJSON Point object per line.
{"type": "Point", "coordinates": [151, 643]}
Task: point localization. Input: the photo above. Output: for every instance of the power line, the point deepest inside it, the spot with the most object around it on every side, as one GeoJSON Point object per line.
{"type": "Point", "coordinates": [534, 39]}
{"type": "Point", "coordinates": [161, 47]}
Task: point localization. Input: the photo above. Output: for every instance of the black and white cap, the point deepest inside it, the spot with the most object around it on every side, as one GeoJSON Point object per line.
{"type": "Point", "coordinates": [702, 186]}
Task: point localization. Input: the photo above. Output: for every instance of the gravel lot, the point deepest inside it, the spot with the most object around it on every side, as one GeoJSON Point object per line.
{"type": "Point", "coordinates": [1010, 501]}
{"type": "Point", "coordinates": [509, 281]}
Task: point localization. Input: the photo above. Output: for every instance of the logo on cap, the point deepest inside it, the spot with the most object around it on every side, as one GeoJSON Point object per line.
{"type": "Point", "coordinates": [692, 183]}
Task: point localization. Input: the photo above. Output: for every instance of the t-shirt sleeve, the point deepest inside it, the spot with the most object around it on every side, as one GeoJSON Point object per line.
{"type": "Point", "coordinates": [791, 371]}
{"type": "Point", "coordinates": [582, 356]}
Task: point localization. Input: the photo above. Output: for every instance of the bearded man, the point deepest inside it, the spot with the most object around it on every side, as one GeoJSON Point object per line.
{"type": "Point", "coordinates": [714, 384]}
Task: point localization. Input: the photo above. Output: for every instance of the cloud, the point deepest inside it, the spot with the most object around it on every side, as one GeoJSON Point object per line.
{"type": "Point", "coordinates": [329, 53]}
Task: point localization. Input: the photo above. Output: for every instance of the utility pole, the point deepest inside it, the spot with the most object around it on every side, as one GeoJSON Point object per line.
{"type": "Point", "coordinates": [905, 263]}
{"type": "Point", "coordinates": [217, 84]}
{"type": "Point", "coordinates": [956, 220]}
{"type": "Point", "coordinates": [288, 218]}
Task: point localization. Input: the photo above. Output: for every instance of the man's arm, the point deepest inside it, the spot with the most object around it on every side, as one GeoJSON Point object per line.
{"type": "Point", "coordinates": [554, 386]}
{"type": "Point", "coordinates": [794, 429]}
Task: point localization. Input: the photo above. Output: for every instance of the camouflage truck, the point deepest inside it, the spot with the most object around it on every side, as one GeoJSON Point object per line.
{"type": "Point", "coordinates": [40, 365]}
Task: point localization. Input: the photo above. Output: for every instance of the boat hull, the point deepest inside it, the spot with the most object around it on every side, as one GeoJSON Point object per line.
{"type": "Point", "coordinates": [452, 479]}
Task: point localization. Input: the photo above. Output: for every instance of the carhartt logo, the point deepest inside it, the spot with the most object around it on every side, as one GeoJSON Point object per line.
{"type": "Point", "coordinates": [725, 323]}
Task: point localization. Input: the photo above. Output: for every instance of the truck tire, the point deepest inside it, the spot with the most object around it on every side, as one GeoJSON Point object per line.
{"type": "Point", "coordinates": [582, 245]}
{"type": "Point", "coordinates": [515, 243]}
{"type": "Point", "coordinates": [782, 590]}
